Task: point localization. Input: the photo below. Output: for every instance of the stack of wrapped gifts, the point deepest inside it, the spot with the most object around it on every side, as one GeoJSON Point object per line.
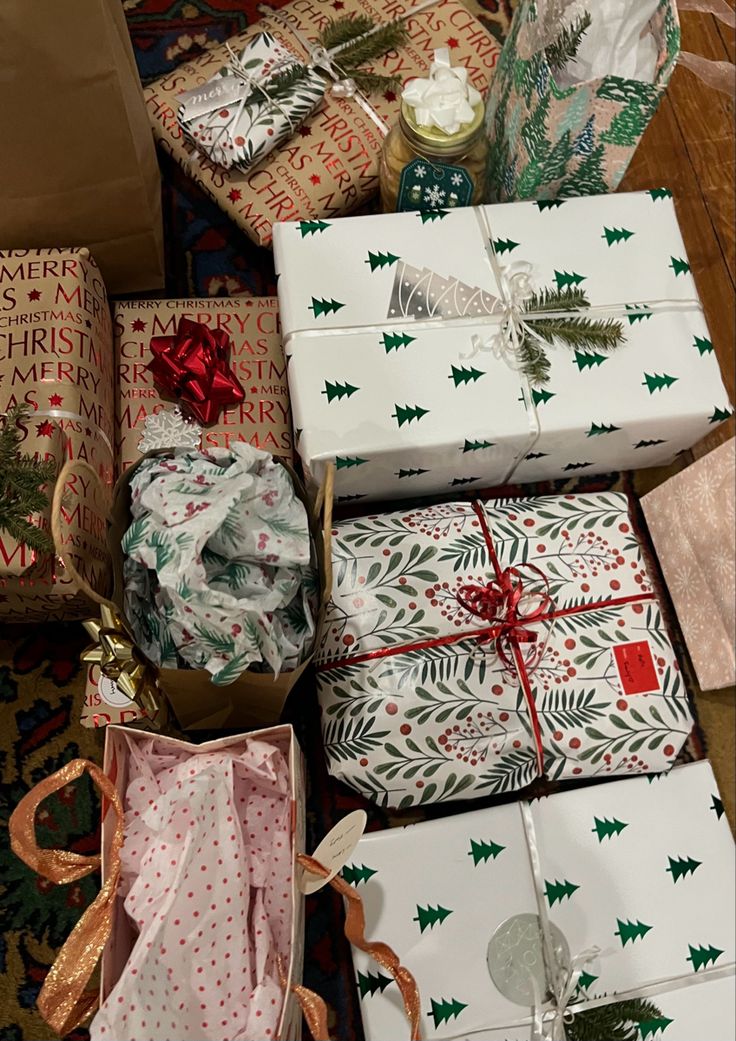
{"type": "Point", "coordinates": [400, 492]}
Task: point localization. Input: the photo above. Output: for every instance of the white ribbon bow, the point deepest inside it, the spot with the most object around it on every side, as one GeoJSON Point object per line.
{"type": "Point", "coordinates": [445, 100]}
{"type": "Point", "coordinates": [549, 1024]}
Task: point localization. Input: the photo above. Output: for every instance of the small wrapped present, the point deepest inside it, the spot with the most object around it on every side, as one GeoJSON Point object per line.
{"type": "Point", "coordinates": [691, 518]}
{"type": "Point", "coordinates": [149, 418]}
{"type": "Point", "coordinates": [56, 360]}
{"type": "Point", "coordinates": [479, 346]}
{"type": "Point", "coordinates": [574, 92]}
{"type": "Point", "coordinates": [467, 650]}
{"type": "Point", "coordinates": [329, 164]}
{"type": "Point", "coordinates": [561, 917]}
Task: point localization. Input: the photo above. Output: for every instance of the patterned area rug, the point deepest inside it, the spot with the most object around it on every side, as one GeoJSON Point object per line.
{"type": "Point", "coordinates": [41, 682]}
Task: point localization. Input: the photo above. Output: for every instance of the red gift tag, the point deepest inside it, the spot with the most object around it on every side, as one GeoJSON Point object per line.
{"type": "Point", "coordinates": [636, 668]}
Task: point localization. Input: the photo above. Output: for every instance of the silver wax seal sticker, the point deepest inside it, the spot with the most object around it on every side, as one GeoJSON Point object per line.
{"type": "Point", "coordinates": [516, 960]}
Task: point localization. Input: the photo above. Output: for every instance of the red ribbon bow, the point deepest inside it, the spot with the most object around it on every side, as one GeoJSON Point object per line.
{"type": "Point", "coordinates": [194, 366]}
{"type": "Point", "coordinates": [498, 603]}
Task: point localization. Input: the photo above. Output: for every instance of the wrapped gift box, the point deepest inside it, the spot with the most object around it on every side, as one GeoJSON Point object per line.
{"type": "Point", "coordinates": [691, 520]}
{"type": "Point", "coordinates": [120, 744]}
{"type": "Point", "coordinates": [56, 357]}
{"type": "Point", "coordinates": [263, 419]}
{"type": "Point", "coordinates": [392, 325]}
{"type": "Point", "coordinates": [640, 875]}
{"type": "Point", "coordinates": [424, 700]}
{"type": "Point", "coordinates": [330, 165]}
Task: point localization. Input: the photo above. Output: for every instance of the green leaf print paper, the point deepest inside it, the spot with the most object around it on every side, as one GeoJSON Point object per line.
{"type": "Point", "coordinates": [218, 563]}
{"type": "Point", "coordinates": [572, 130]}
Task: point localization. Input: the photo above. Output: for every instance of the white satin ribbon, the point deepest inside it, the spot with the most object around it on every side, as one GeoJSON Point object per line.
{"type": "Point", "coordinates": [445, 99]}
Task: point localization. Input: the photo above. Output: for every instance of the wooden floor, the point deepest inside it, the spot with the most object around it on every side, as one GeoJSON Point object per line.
{"type": "Point", "coordinates": [689, 147]}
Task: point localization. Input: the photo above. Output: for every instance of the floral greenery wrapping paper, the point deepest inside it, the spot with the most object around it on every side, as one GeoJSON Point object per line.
{"type": "Point", "coordinates": [218, 571]}
{"type": "Point", "coordinates": [449, 721]}
{"type": "Point", "coordinates": [642, 871]}
{"type": "Point", "coordinates": [547, 141]}
{"type": "Point", "coordinates": [245, 128]}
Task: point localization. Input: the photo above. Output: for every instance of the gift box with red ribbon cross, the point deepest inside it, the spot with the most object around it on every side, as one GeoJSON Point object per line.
{"type": "Point", "coordinates": [469, 648]}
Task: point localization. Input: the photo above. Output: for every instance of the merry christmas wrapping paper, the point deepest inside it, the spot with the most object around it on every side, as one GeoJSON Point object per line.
{"type": "Point", "coordinates": [642, 870]}
{"type": "Point", "coordinates": [691, 519]}
{"type": "Point", "coordinates": [56, 357]}
{"type": "Point", "coordinates": [263, 418]}
{"type": "Point", "coordinates": [330, 165]}
{"type": "Point", "coordinates": [422, 696]}
{"type": "Point", "coordinates": [391, 330]}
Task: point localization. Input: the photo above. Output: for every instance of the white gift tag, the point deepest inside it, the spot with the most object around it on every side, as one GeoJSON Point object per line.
{"type": "Point", "coordinates": [334, 850]}
{"type": "Point", "coordinates": [112, 695]}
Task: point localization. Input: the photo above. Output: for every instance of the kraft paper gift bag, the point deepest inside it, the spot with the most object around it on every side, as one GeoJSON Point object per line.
{"type": "Point", "coordinates": [78, 160]}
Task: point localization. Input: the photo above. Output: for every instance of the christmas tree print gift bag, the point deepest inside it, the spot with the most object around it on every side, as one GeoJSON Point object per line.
{"type": "Point", "coordinates": [467, 650]}
{"type": "Point", "coordinates": [633, 882]}
{"type": "Point", "coordinates": [573, 93]}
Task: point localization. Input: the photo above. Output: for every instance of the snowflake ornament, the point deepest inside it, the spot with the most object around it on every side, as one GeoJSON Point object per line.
{"type": "Point", "coordinates": [420, 171]}
{"type": "Point", "coordinates": [169, 429]}
{"type": "Point", "coordinates": [434, 195]}
{"type": "Point", "coordinates": [456, 179]}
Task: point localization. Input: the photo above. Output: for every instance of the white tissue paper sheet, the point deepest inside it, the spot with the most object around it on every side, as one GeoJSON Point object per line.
{"type": "Point", "coordinates": [616, 44]}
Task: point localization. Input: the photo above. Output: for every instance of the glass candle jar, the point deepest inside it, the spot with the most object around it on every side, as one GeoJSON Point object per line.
{"type": "Point", "coordinates": [423, 168]}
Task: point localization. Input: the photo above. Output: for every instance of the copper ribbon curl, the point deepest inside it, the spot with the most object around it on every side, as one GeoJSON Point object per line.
{"type": "Point", "coordinates": [63, 1000]}
{"type": "Point", "coordinates": [380, 952]}
{"type": "Point", "coordinates": [194, 366]}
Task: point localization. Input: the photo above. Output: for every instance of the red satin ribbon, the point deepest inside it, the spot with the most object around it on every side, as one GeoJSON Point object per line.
{"type": "Point", "coordinates": [194, 366]}
{"type": "Point", "coordinates": [498, 603]}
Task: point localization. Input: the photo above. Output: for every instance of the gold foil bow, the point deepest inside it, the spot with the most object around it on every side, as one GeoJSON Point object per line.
{"type": "Point", "coordinates": [116, 654]}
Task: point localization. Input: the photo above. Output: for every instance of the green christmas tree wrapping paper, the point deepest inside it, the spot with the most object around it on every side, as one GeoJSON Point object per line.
{"type": "Point", "coordinates": [421, 703]}
{"type": "Point", "coordinates": [392, 325]}
{"type": "Point", "coordinates": [639, 874]}
{"type": "Point", "coordinates": [551, 136]}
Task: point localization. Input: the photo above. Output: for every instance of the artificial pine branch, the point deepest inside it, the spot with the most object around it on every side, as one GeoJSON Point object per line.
{"type": "Point", "coordinates": [565, 47]}
{"type": "Point", "coordinates": [618, 1021]}
{"type": "Point", "coordinates": [20, 479]}
{"type": "Point", "coordinates": [575, 330]}
{"type": "Point", "coordinates": [342, 33]}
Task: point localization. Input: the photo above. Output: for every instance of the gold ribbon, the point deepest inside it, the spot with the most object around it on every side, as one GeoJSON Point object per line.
{"type": "Point", "coordinates": [116, 654]}
{"type": "Point", "coordinates": [380, 952]}
{"type": "Point", "coordinates": [63, 1001]}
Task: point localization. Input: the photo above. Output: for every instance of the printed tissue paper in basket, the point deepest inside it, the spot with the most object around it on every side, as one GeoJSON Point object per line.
{"type": "Point", "coordinates": [636, 880]}
{"type": "Point", "coordinates": [243, 799]}
{"type": "Point", "coordinates": [56, 358]}
{"type": "Point", "coordinates": [691, 519]}
{"type": "Point", "coordinates": [399, 332]}
{"type": "Point", "coordinates": [329, 166]}
{"type": "Point", "coordinates": [467, 649]}
{"type": "Point", "coordinates": [147, 419]}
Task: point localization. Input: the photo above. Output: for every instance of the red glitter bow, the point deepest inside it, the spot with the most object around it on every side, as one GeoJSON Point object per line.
{"type": "Point", "coordinates": [194, 366]}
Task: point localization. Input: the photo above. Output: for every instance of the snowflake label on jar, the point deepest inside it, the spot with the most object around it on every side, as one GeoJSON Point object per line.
{"type": "Point", "coordinates": [433, 186]}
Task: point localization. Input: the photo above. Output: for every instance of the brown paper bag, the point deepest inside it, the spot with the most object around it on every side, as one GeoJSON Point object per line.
{"type": "Point", "coordinates": [78, 163]}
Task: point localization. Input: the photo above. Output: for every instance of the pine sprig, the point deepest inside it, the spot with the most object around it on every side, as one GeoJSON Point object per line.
{"type": "Point", "coordinates": [344, 35]}
{"type": "Point", "coordinates": [565, 47]}
{"type": "Point", "coordinates": [618, 1021]}
{"type": "Point", "coordinates": [576, 331]}
{"type": "Point", "coordinates": [21, 478]}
